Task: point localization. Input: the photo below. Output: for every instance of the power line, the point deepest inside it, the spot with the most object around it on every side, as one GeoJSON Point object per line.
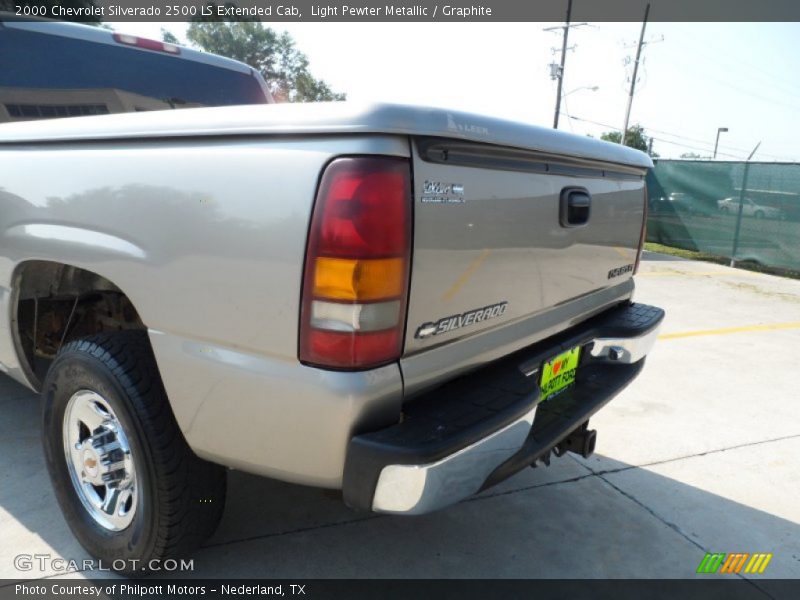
{"type": "Point", "coordinates": [695, 140]}
{"type": "Point", "coordinates": [747, 92]}
{"type": "Point", "coordinates": [694, 147]}
{"type": "Point", "coordinates": [701, 50]}
{"type": "Point", "coordinates": [647, 129]}
{"type": "Point", "coordinates": [662, 132]}
{"type": "Point", "coordinates": [710, 145]}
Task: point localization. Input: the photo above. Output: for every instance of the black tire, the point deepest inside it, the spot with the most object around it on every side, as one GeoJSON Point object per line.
{"type": "Point", "coordinates": [181, 497]}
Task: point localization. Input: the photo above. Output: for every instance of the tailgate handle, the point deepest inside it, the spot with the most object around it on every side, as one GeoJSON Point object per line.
{"type": "Point", "coordinates": [576, 206]}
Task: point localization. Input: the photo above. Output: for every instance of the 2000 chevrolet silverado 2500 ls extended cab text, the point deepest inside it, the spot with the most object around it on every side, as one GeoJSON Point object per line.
{"type": "Point", "coordinates": [406, 304]}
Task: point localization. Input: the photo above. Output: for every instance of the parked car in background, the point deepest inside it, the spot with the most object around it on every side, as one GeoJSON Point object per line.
{"type": "Point", "coordinates": [750, 208]}
{"type": "Point", "coordinates": [682, 202]}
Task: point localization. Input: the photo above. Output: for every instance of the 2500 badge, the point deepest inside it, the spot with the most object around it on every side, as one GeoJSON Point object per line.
{"type": "Point", "coordinates": [465, 319]}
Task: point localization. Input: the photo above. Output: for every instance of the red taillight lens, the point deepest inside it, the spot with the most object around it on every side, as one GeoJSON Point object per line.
{"type": "Point", "coordinates": [642, 233]}
{"type": "Point", "coordinates": [357, 262]}
{"type": "Point", "coordinates": [132, 40]}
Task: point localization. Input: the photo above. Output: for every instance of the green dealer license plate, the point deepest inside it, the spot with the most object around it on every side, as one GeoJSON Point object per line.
{"type": "Point", "coordinates": [558, 373]}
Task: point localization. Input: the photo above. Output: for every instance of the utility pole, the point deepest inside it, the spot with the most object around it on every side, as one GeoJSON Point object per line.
{"type": "Point", "coordinates": [561, 68]}
{"type": "Point", "coordinates": [635, 72]}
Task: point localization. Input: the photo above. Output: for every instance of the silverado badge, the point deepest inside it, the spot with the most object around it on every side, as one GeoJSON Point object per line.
{"type": "Point", "coordinates": [454, 322]}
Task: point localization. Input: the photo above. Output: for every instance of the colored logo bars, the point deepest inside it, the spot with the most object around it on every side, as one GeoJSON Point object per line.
{"type": "Point", "coordinates": [734, 563]}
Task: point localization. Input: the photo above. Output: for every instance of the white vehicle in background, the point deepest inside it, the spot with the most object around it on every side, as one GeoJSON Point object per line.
{"type": "Point", "coordinates": [750, 209]}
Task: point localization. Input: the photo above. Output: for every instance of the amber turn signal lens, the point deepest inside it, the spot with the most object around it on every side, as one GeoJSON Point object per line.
{"type": "Point", "coordinates": [359, 280]}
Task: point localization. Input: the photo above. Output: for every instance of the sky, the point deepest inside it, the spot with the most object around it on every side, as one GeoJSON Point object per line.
{"type": "Point", "coordinates": [694, 78]}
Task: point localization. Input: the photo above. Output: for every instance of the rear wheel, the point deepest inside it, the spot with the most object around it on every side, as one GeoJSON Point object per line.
{"type": "Point", "coordinates": [130, 488]}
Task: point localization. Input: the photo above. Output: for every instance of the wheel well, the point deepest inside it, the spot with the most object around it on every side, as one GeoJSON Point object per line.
{"type": "Point", "coordinates": [55, 303]}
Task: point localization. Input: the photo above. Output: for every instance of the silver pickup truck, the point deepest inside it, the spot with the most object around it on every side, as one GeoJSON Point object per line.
{"type": "Point", "coordinates": [405, 304]}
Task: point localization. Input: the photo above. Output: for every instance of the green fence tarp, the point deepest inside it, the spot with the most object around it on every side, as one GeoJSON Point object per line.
{"type": "Point", "coordinates": [695, 205]}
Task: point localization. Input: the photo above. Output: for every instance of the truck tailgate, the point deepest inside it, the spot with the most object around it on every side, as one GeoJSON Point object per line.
{"type": "Point", "coordinates": [499, 235]}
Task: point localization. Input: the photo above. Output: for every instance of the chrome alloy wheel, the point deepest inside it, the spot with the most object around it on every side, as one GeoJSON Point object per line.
{"type": "Point", "coordinates": [99, 460]}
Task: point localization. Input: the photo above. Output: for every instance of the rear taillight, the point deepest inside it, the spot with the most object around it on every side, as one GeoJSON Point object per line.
{"type": "Point", "coordinates": [642, 233]}
{"type": "Point", "coordinates": [155, 45]}
{"type": "Point", "coordinates": [357, 263]}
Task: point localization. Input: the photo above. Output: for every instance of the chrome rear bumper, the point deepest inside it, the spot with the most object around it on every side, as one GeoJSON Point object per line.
{"type": "Point", "coordinates": [418, 489]}
{"type": "Point", "coordinates": [477, 430]}
{"type": "Point", "coordinates": [625, 350]}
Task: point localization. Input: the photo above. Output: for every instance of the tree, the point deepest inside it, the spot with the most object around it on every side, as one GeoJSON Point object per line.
{"type": "Point", "coordinates": [273, 54]}
{"type": "Point", "coordinates": [169, 37]}
{"type": "Point", "coordinates": [635, 137]}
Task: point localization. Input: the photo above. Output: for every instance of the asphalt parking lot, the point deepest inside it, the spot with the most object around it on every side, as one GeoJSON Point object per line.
{"type": "Point", "coordinates": [699, 455]}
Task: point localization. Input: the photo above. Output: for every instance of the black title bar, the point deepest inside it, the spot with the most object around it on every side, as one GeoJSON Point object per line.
{"type": "Point", "coordinates": [403, 11]}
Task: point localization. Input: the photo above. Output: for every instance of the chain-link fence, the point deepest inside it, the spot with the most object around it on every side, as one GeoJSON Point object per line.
{"type": "Point", "coordinates": [750, 212]}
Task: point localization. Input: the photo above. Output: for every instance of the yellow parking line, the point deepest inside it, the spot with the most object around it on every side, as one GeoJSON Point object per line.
{"type": "Point", "coordinates": [727, 330]}
{"type": "Point", "coordinates": [625, 253]}
{"type": "Point", "coordinates": [465, 276]}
